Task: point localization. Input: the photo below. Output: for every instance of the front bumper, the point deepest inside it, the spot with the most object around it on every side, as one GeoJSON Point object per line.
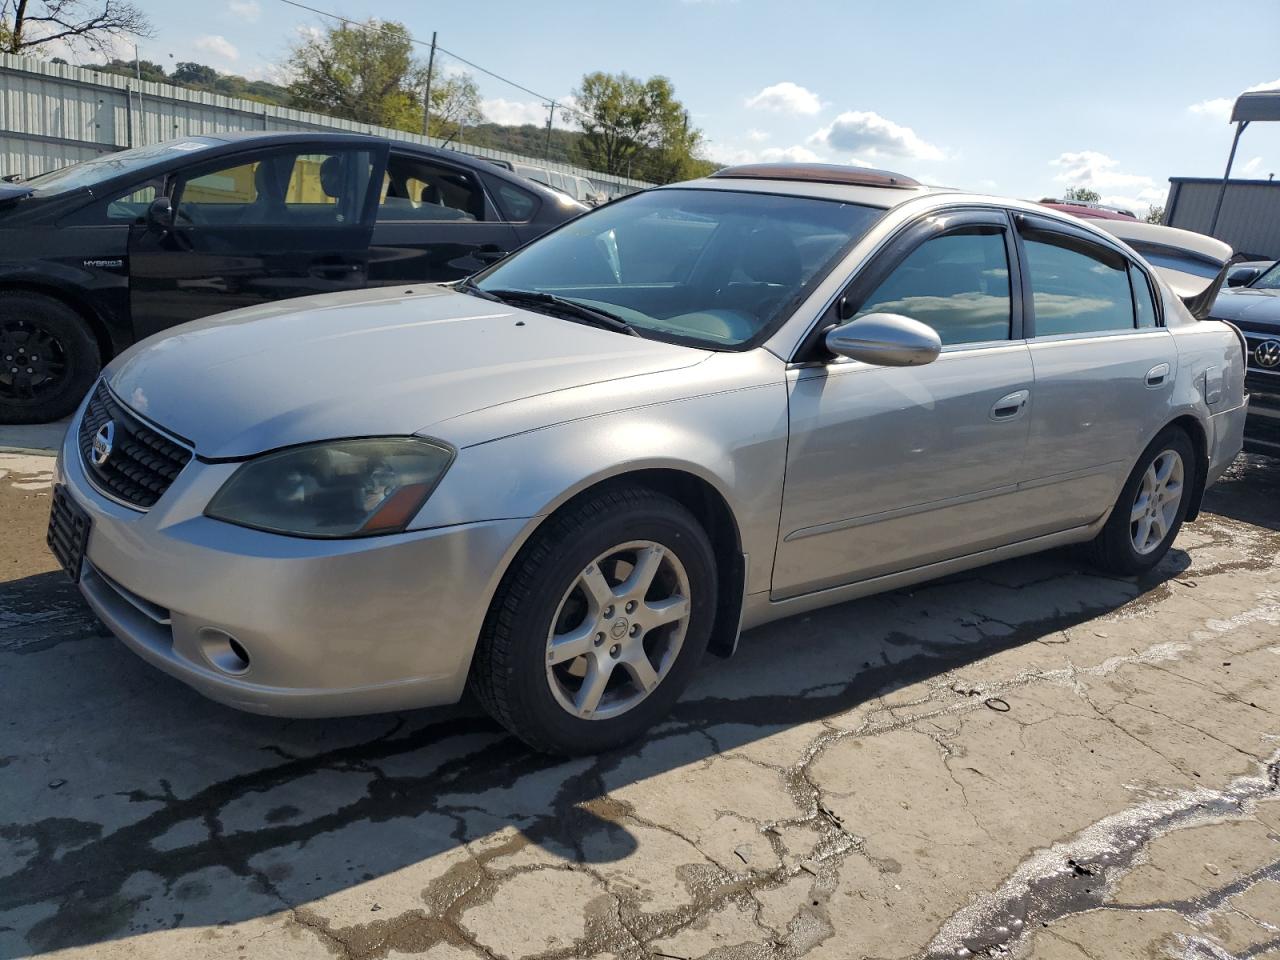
{"type": "Point", "coordinates": [330, 627]}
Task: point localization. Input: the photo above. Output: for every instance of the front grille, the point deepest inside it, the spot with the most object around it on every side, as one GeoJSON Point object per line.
{"type": "Point", "coordinates": [142, 463]}
{"type": "Point", "coordinates": [1256, 340]}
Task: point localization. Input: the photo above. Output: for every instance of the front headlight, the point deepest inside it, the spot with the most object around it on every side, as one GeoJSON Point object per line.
{"type": "Point", "coordinates": [342, 488]}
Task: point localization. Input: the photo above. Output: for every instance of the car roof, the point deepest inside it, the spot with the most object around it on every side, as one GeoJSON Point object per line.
{"type": "Point", "coordinates": [232, 140]}
{"type": "Point", "coordinates": [821, 181]}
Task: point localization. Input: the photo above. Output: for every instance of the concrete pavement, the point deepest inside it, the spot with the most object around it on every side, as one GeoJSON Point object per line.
{"type": "Point", "coordinates": [1030, 760]}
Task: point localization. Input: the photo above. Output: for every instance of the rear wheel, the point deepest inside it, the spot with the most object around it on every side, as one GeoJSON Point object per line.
{"type": "Point", "coordinates": [1147, 516]}
{"type": "Point", "coordinates": [600, 624]}
{"type": "Point", "coordinates": [48, 358]}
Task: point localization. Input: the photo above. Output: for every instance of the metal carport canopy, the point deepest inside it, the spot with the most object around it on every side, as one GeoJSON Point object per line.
{"type": "Point", "coordinates": [1262, 105]}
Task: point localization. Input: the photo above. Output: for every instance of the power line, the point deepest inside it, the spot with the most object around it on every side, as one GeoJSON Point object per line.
{"type": "Point", "coordinates": [551, 102]}
{"type": "Point", "coordinates": [423, 43]}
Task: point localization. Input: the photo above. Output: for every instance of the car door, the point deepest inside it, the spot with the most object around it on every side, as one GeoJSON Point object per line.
{"type": "Point", "coordinates": [893, 468]}
{"type": "Point", "coordinates": [435, 222]}
{"type": "Point", "coordinates": [1104, 369]}
{"type": "Point", "coordinates": [255, 227]}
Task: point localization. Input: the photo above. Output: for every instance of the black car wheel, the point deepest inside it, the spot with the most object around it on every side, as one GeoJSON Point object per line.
{"type": "Point", "coordinates": [48, 358]}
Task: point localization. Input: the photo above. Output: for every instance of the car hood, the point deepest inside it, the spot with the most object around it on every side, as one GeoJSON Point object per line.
{"type": "Point", "coordinates": [13, 191]}
{"type": "Point", "coordinates": [1245, 304]}
{"type": "Point", "coordinates": [362, 364]}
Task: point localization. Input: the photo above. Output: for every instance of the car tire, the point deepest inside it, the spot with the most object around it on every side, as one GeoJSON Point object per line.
{"type": "Point", "coordinates": [1152, 505]}
{"type": "Point", "coordinates": [521, 673]}
{"type": "Point", "coordinates": [66, 358]}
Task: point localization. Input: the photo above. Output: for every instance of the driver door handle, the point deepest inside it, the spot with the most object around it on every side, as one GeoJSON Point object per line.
{"type": "Point", "coordinates": [1010, 406]}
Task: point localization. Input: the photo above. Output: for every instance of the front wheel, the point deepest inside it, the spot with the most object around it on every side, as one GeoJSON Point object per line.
{"type": "Point", "coordinates": [1147, 516]}
{"type": "Point", "coordinates": [600, 623]}
{"type": "Point", "coordinates": [48, 358]}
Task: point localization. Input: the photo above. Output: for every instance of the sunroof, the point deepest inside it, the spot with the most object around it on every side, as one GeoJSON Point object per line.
{"type": "Point", "coordinates": [817, 173]}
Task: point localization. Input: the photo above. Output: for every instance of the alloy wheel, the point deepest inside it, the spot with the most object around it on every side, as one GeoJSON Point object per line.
{"type": "Point", "coordinates": [618, 630]}
{"type": "Point", "coordinates": [1155, 507]}
{"type": "Point", "coordinates": [33, 362]}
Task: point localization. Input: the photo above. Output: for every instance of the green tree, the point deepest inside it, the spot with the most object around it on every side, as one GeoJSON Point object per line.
{"type": "Point", "coordinates": [191, 74]}
{"type": "Point", "coordinates": [30, 27]}
{"type": "Point", "coordinates": [1082, 195]}
{"type": "Point", "coordinates": [455, 103]}
{"type": "Point", "coordinates": [1155, 214]}
{"type": "Point", "coordinates": [364, 72]}
{"type": "Point", "coordinates": [130, 68]}
{"type": "Point", "coordinates": [637, 128]}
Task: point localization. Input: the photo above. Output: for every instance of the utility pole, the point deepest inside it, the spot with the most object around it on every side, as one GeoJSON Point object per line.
{"type": "Point", "coordinates": [551, 115]}
{"type": "Point", "coordinates": [426, 97]}
{"type": "Point", "coordinates": [142, 114]}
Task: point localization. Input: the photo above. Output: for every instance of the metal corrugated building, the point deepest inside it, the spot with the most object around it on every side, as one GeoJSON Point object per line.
{"type": "Point", "coordinates": [53, 114]}
{"type": "Point", "coordinates": [1250, 218]}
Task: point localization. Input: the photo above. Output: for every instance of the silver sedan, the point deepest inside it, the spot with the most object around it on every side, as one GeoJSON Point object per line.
{"type": "Point", "coordinates": [684, 414]}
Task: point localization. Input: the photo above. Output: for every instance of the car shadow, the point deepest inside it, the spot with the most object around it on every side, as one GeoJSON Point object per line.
{"type": "Point", "coordinates": [1248, 491]}
{"type": "Point", "coordinates": [191, 814]}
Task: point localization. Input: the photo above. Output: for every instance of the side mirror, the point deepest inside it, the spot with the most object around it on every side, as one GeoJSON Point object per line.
{"type": "Point", "coordinates": [160, 213]}
{"type": "Point", "coordinates": [885, 339]}
{"type": "Point", "coordinates": [1242, 278]}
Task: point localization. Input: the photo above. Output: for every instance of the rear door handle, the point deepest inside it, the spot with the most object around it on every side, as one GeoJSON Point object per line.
{"type": "Point", "coordinates": [1157, 375]}
{"type": "Point", "coordinates": [1010, 406]}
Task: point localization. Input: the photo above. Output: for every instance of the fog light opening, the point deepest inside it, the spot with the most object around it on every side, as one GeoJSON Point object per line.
{"type": "Point", "coordinates": [224, 651]}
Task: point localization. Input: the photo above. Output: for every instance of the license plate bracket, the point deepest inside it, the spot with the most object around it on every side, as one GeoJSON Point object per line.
{"type": "Point", "coordinates": [68, 534]}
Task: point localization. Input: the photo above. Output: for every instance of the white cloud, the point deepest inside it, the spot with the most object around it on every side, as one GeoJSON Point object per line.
{"type": "Point", "coordinates": [757, 136]}
{"type": "Point", "coordinates": [519, 112]}
{"type": "Point", "coordinates": [786, 97]}
{"type": "Point", "coordinates": [1253, 165]}
{"type": "Point", "coordinates": [218, 46]}
{"type": "Point", "coordinates": [871, 136]}
{"type": "Point", "coordinates": [794, 154]}
{"type": "Point", "coordinates": [1090, 168]}
{"type": "Point", "coordinates": [248, 10]}
{"type": "Point", "coordinates": [732, 155]}
{"type": "Point", "coordinates": [1219, 108]}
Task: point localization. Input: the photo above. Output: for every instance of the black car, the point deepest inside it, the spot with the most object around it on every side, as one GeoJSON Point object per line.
{"type": "Point", "coordinates": [103, 253]}
{"type": "Point", "coordinates": [1255, 309]}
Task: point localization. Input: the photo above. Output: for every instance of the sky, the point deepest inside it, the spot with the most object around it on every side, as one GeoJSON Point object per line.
{"type": "Point", "coordinates": [1015, 98]}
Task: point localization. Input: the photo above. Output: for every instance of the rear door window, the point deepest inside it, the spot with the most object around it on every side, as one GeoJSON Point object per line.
{"type": "Point", "coordinates": [1144, 305]}
{"type": "Point", "coordinates": [415, 188]}
{"type": "Point", "coordinates": [1077, 287]}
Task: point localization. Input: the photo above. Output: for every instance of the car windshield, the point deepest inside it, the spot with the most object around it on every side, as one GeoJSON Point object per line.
{"type": "Point", "coordinates": [714, 268]}
{"type": "Point", "coordinates": [108, 166]}
{"type": "Point", "coordinates": [1269, 280]}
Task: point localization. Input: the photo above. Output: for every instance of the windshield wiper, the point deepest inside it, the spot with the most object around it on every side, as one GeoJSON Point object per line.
{"type": "Point", "coordinates": [467, 285]}
{"type": "Point", "coordinates": [560, 306]}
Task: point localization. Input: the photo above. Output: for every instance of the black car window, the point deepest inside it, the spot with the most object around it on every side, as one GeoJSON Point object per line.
{"type": "Point", "coordinates": [128, 206]}
{"type": "Point", "coordinates": [1144, 305]}
{"type": "Point", "coordinates": [957, 283]}
{"type": "Point", "coordinates": [281, 189]}
{"type": "Point", "coordinates": [133, 204]}
{"type": "Point", "coordinates": [517, 204]}
{"type": "Point", "coordinates": [418, 189]}
{"type": "Point", "coordinates": [1077, 287]}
